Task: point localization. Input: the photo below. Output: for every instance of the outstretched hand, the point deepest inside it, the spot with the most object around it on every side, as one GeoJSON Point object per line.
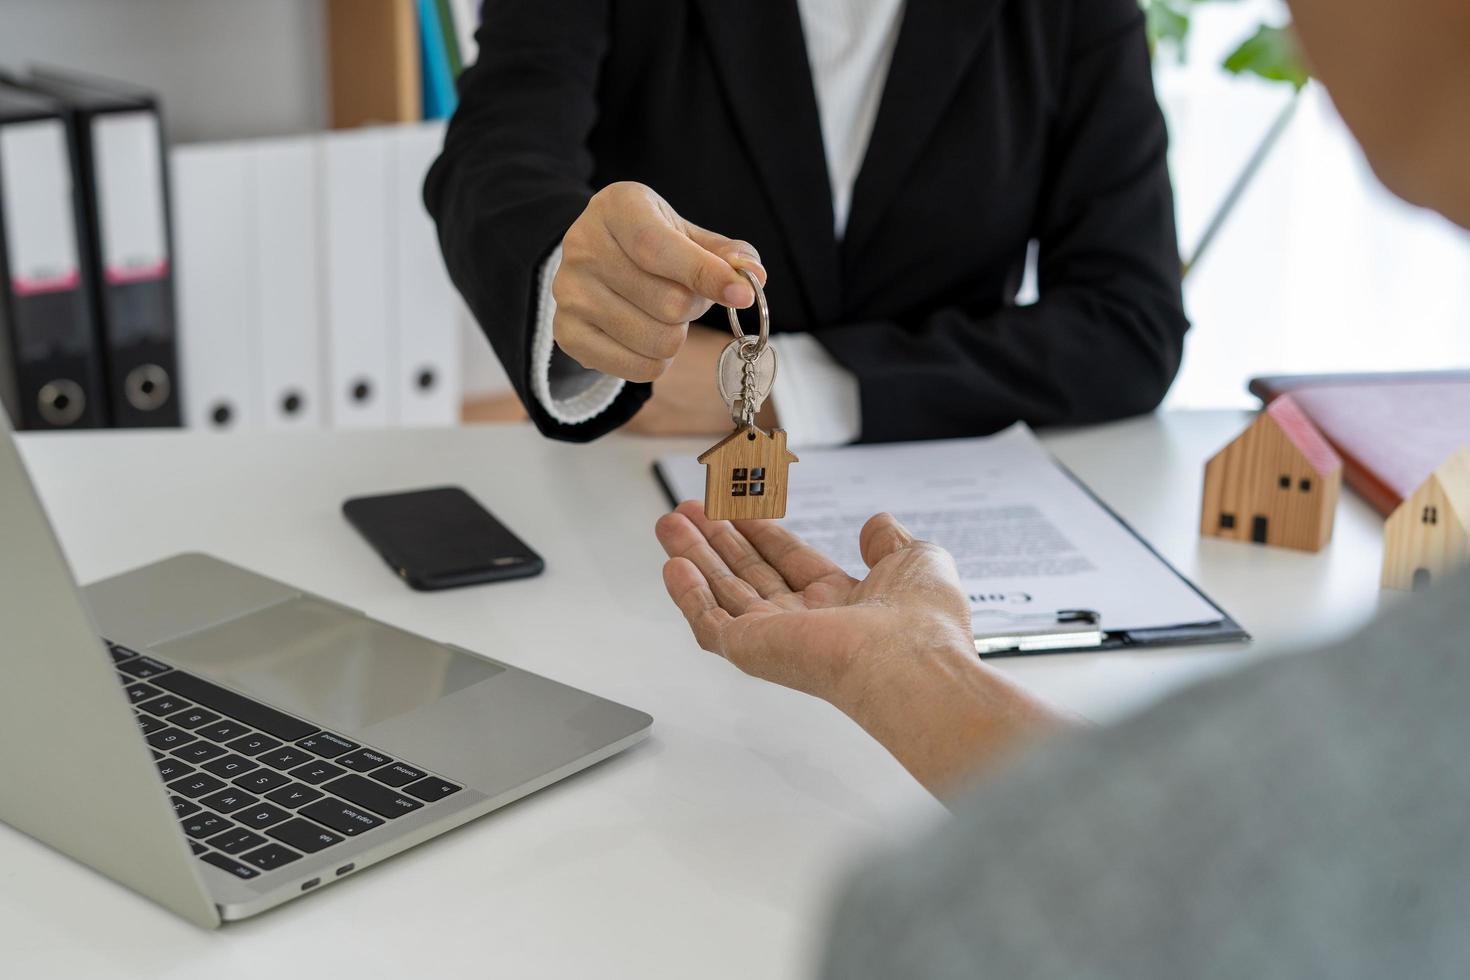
{"type": "Point", "coordinates": [775, 607]}
{"type": "Point", "coordinates": [893, 650]}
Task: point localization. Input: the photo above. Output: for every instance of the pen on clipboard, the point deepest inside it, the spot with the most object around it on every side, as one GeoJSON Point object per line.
{"type": "Point", "coordinates": [1065, 629]}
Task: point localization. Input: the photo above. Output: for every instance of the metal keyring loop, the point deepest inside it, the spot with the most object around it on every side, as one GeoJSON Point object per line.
{"type": "Point", "coordinates": [762, 309]}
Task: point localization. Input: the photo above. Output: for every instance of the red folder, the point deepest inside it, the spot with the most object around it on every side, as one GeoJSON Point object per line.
{"type": "Point", "coordinates": [1392, 430]}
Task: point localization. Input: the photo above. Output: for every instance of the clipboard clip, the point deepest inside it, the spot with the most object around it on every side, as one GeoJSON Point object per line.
{"type": "Point", "coordinates": [1065, 629]}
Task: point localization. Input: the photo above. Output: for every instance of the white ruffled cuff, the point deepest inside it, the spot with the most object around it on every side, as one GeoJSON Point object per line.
{"type": "Point", "coordinates": [570, 393]}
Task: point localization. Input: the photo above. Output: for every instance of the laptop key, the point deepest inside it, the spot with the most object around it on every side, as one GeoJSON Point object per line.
{"type": "Point", "coordinates": [235, 706]}
{"type": "Point", "coordinates": [235, 840]}
{"type": "Point", "coordinates": [198, 848]}
{"type": "Point", "coordinates": [327, 745]}
{"type": "Point", "coordinates": [261, 780]}
{"type": "Point", "coordinates": [364, 760]}
{"type": "Point", "coordinates": [169, 738]}
{"type": "Point", "coordinates": [228, 800]}
{"type": "Point", "coordinates": [182, 807]}
{"type": "Point", "coordinates": [431, 789]}
{"type": "Point", "coordinates": [304, 835]}
{"type": "Point", "coordinates": [141, 667]}
{"type": "Point", "coordinates": [230, 866]}
{"type": "Point", "coordinates": [140, 692]}
{"type": "Point", "coordinates": [230, 766]}
{"type": "Point", "coordinates": [398, 774]}
{"type": "Point", "coordinates": [317, 772]}
{"type": "Point", "coordinates": [341, 817]}
{"type": "Point", "coordinates": [287, 758]}
{"type": "Point", "coordinates": [196, 785]}
{"type": "Point", "coordinates": [149, 724]}
{"type": "Point", "coordinates": [171, 769]}
{"type": "Point", "coordinates": [200, 751]}
{"type": "Point", "coordinates": [261, 815]}
{"type": "Point", "coordinates": [376, 797]}
{"type": "Point", "coordinates": [295, 795]}
{"type": "Point", "coordinates": [270, 857]}
{"type": "Point", "coordinates": [204, 824]}
{"type": "Point", "coordinates": [253, 744]}
{"type": "Point", "coordinates": [164, 704]}
{"type": "Point", "coordinates": [119, 654]}
{"type": "Point", "coordinates": [222, 731]}
{"type": "Point", "coordinates": [193, 718]}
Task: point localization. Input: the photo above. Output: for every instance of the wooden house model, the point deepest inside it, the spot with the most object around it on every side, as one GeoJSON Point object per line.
{"type": "Point", "coordinates": [746, 475]}
{"type": "Point", "coordinates": [1277, 483]}
{"type": "Point", "coordinates": [1428, 535]}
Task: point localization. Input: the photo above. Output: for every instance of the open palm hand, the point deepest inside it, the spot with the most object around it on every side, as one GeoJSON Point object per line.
{"type": "Point", "coordinates": [777, 608]}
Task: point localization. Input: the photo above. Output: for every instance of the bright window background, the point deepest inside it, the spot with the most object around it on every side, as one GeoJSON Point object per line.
{"type": "Point", "coordinates": [1318, 268]}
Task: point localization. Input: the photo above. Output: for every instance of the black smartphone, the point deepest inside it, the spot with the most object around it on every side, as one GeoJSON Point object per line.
{"type": "Point", "coordinates": [441, 538]}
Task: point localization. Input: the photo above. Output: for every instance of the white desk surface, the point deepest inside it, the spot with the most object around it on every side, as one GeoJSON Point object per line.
{"type": "Point", "coordinates": [710, 850]}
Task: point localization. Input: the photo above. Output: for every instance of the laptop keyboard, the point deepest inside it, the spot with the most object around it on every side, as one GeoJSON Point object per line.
{"type": "Point", "coordinates": [255, 788]}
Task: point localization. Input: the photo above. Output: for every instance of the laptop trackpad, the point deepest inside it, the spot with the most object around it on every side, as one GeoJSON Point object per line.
{"type": "Point", "coordinates": [334, 667]}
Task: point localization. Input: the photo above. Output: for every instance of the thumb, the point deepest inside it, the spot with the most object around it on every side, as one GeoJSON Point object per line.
{"type": "Point", "coordinates": [882, 536]}
{"type": "Point", "coordinates": [738, 254]}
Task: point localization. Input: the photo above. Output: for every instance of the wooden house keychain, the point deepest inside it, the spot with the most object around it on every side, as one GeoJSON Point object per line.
{"type": "Point", "coordinates": [745, 477]}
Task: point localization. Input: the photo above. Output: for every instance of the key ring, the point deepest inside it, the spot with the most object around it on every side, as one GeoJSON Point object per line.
{"type": "Point", "coordinates": [751, 350]}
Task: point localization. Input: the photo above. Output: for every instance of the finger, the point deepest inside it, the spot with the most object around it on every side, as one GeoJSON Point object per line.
{"type": "Point", "coordinates": [661, 249]}
{"type": "Point", "coordinates": [662, 299]}
{"type": "Point", "coordinates": [691, 593]}
{"type": "Point", "coordinates": [681, 539]}
{"type": "Point", "coordinates": [737, 553]}
{"type": "Point", "coordinates": [590, 347]}
{"type": "Point", "coordinates": [799, 563]}
{"type": "Point", "coordinates": [740, 255]}
{"type": "Point", "coordinates": [881, 536]}
{"type": "Point", "coordinates": [596, 303]}
{"type": "Point", "coordinates": [766, 646]}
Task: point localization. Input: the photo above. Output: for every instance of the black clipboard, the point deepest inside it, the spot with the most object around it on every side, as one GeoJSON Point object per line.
{"type": "Point", "coordinates": [1225, 630]}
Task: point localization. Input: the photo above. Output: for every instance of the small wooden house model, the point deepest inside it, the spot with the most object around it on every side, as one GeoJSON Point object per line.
{"type": "Point", "coordinates": [746, 475]}
{"type": "Point", "coordinates": [1428, 535]}
{"type": "Point", "coordinates": [1276, 484]}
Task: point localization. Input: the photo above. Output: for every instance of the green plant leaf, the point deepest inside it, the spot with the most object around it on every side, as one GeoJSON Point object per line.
{"type": "Point", "coordinates": [1168, 22]}
{"type": "Point", "coordinates": [1167, 25]}
{"type": "Point", "coordinates": [1272, 54]}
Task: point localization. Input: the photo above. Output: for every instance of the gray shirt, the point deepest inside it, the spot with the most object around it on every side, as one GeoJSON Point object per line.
{"type": "Point", "coordinates": [1306, 817]}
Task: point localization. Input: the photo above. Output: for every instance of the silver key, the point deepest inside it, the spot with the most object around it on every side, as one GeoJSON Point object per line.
{"type": "Point", "coordinates": [732, 370]}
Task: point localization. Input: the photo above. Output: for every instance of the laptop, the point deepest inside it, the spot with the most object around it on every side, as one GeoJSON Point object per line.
{"type": "Point", "coordinates": [231, 742]}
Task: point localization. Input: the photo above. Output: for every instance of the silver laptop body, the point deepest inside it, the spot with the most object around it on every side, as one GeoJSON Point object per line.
{"type": "Point", "coordinates": [462, 734]}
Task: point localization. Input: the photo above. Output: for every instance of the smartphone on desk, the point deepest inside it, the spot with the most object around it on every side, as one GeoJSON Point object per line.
{"type": "Point", "coordinates": [440, 538]}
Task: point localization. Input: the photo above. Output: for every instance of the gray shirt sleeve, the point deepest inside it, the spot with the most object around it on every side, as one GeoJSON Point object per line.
{"type": "Point", "coordinates": [1306, 817]}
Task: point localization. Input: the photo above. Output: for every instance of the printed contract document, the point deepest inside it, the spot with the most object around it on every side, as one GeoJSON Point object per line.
{"type": "Point", "coordinates": [1027, 538]}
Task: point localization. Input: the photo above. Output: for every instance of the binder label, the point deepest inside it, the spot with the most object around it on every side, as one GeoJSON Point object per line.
{"type": "Point", "coordinates": [40, 226]}
{"type": "Point", "coordinates": [130, 197]}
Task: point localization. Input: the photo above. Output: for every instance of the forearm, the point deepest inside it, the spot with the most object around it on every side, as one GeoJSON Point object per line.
{"type": "Point", "coordinates": [515, 174]}
{"type": "Point", "coordinates": [946, 716]}
{"type": "Point", "coordinates": [1083, 354]}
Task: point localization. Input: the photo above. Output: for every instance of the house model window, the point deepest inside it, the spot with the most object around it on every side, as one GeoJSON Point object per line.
{"type": "Point", "coordinates": [1431, 515]}
{"type": "Point", "coordinates": [748, 482]}
{"type": "Point", "coordinates": [1285, 482]}
{"type": "Point", "coordinates": [1306, 485]}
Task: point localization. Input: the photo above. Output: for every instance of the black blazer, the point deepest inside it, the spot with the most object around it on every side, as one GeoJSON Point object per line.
{"type": "Point", "coordinates": [1002, 121]}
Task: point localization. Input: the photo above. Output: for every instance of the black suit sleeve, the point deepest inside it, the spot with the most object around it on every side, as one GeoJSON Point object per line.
{"type": "Point", "coordinates": [515, 173]}
{"type": "Point", "coordinates": [1106, 337]}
